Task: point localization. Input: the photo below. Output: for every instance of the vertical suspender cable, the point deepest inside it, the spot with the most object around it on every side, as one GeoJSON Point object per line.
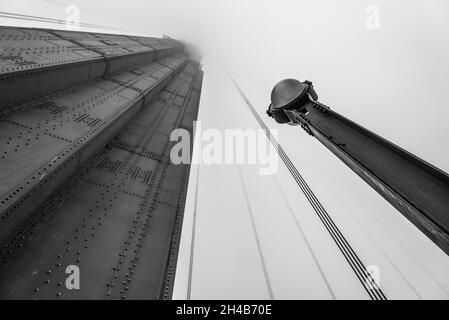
{"type": "Point", "coordinates": [256, 236]}
{"type": "Point", "coordinates": [309, 247]}
{"type": "Point", "coordinates": [192, 242]}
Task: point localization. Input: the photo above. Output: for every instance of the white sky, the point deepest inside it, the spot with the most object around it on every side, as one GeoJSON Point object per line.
{"type": "Point", "coordinates": [393, 81]}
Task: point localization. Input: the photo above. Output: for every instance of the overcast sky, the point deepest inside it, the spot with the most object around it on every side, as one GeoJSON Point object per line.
{"type": "Point", "coordinates": [392, 79]}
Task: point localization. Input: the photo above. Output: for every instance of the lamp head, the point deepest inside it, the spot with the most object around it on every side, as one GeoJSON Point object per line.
{"type": "Point", "coordinates": [290, 94]}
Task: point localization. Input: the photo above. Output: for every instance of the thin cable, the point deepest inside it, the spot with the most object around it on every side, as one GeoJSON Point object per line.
{"type": "Point", "coordinates": [25, 17]}
{"type": "Point", "coordinates": [256, 236]}
{"type": "Point", "coordinates": [365, 231]}
{"type": "Point", "coordinates": [192, 242]}
{"type": "Point", "coordinates": [306, 241]}
{"type": "Point", "coordinates": [349, 254]}
{"type": "Point", "coordinates": [344, 246]}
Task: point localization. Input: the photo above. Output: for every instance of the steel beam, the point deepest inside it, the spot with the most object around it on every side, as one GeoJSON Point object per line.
{"type": "Point", "coordinates": [118, 217]}
{"type": "Point", "coordinates": [417, 189]}
{"type": "Point", "coordinates": [34, 61]}
{"type": "Point", "coordinates": [53, 136]}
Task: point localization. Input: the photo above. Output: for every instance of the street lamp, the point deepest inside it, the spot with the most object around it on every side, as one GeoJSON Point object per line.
{"type": "Point", "coordinates": [417, 189]}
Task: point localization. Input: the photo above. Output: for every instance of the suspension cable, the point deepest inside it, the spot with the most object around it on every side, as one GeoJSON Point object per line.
{"type": "Point", "coordinates": [26, 17]}
{"type": "Point", "coordinates": [345, 248]}
{"type": "Point", "coordinates": [303, 236]}
{"type": "Point", "coordinates": [256, 236]}
{"type": "Point", "coordinates": [192, 241]}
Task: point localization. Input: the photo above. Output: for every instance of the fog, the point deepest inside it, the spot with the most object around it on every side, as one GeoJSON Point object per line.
{"type": "Point", "coordinates": [380, 63]}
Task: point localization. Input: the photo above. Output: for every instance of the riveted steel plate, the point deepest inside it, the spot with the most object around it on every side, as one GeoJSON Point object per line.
{"type": "Point", "coordinates": [118, 220]}
{"type": "Point", "coordinates": [149, 115]}
{"type": "Point", "coordinates": [23, 152]}
{"type": "Point", "coordinates": [107, 44]}
{"type": "Point", "coordinates": [52, 129]}
{"type": "Point", "coordinates": [172, 61]}
{"type": "Point", "coordinates": [33, 61]}
{"type": "Point", "coordinates": [157, 43]}
{"type": "Point", "coordinates": [24, 49]}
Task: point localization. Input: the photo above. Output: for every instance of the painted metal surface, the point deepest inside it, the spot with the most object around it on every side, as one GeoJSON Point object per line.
{"type": "Point", "coordinates": [417, 189]}
{"type": "Point", "coordinates": [86, 180]}
{"type": "Point", "coordinates": [33, 61]}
